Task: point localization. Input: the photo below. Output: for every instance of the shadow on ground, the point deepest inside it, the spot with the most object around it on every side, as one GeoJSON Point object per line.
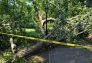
{"type": "Point", "coordinates": [68, 55]}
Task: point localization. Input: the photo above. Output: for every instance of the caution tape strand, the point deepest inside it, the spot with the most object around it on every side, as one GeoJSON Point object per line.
{"type": "Point", "coordinates": [48, 41]}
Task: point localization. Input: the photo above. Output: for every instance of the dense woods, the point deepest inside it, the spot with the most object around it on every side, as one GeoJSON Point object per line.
{"type": "Point", "coordinates": [69, 21]}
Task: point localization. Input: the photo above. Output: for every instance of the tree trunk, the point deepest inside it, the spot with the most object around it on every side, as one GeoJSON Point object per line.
{"type": "Point", "coordinates": [33, 49]}
{"type": "Point", "coordinates": [30, 50]}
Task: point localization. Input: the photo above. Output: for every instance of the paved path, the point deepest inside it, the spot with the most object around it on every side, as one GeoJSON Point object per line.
{"type": "Point", "coordinates": [68, 55]}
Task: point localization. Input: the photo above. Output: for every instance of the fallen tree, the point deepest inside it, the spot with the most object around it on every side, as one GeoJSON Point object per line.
{"type": "Point", "coordinates": [33, 49]}
{"type": "Point", "coordinates": [57, 33]}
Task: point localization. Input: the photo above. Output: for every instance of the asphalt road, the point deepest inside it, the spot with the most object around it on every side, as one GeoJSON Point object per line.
{"type": "Point", "coordinates": [68, 55]}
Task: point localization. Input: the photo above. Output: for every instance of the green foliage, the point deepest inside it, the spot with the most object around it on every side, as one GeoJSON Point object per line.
{"type": "Point", "coordinates": [74, 26]}
{"type": "Point", "coordinates": [20, 17]}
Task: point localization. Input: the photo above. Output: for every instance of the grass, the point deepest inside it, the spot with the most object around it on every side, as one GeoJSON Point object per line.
{"type": "Point", "coordinates": [32, 32]}
{"type": "Point", "coordinates": [2, 60]}
{"type": "Point", "coordinates": [7, 57]}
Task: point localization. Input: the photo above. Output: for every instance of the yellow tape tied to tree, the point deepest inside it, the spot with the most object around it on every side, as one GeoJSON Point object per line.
{"type": "Point", "coordinates": [48, 41]}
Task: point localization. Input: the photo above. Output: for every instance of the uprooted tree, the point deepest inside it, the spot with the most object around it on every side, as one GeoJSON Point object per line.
{"type": "Point", "coordinates": [19, 15]}
{"type": "Point", "coordinates": [70, 32]}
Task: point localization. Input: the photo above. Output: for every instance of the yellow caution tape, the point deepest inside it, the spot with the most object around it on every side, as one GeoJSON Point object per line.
{"type": "Point", "coordinates": [48, 41]}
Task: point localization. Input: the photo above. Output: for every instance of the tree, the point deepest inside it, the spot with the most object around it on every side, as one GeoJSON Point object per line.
{"type": "Point", "coordinates": [66, 16]}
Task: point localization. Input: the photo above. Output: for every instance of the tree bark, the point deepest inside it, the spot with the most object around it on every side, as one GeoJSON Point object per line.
{"type": "Point", "coordinates": [30, 50]}
{"type": "Point", "coordinates": [33, 49]}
